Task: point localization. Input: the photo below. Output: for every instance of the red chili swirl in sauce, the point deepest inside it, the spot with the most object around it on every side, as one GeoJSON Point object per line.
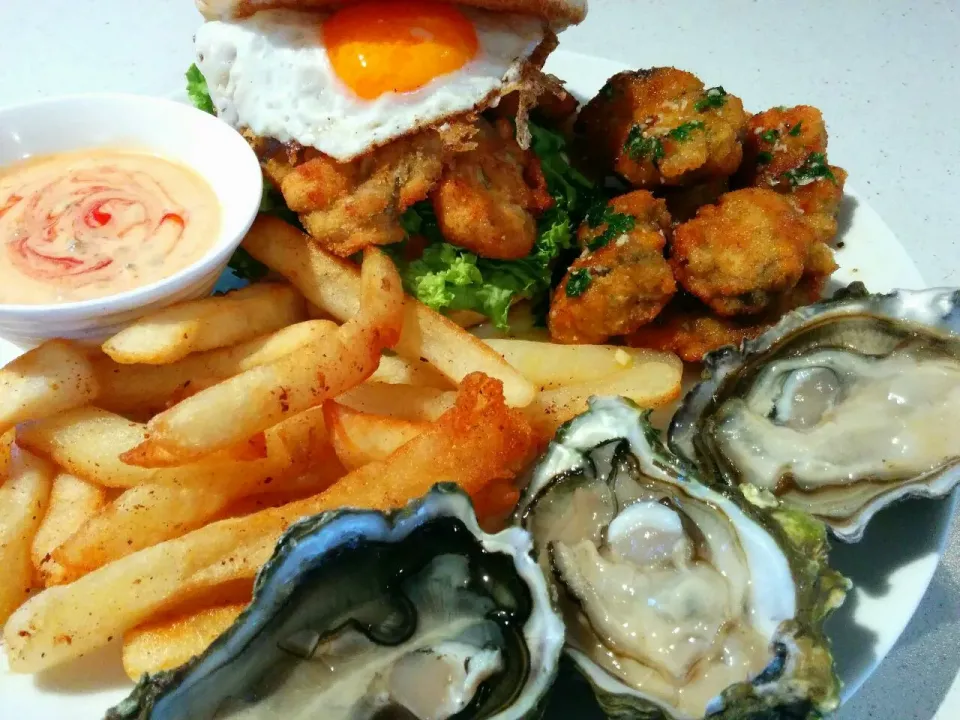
{"type": "Point", "coordinates": [93, 224]}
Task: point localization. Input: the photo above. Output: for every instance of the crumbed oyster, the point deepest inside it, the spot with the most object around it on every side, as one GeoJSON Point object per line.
{"type": "Point", "coordinates": [839, 410]}
{"type": "Point", "coordinates": [681, 600]}
{"type": "Point", "coordinates": [361, 614]}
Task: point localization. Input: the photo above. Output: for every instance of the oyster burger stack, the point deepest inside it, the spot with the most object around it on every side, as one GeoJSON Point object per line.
{"type": "Point", "coordinates": [406, 125]}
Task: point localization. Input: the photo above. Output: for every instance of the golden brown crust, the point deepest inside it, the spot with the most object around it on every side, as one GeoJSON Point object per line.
{"type": "Point", "coordinates": [486, 198]}
{"type": "Point", "coordinates": [557, 12]}
{"type": "Point", "coordinates": [688, 328]}
{"type": "Point", "coordinates": [628, 279]}
{"type": "Point", "coordinates": [737, 256]}
{"type": "Point", "coordinates": [349, 206]}
{"type": "Point", "coordinates": [661, 127]}
{"type": "Point", "coordinates": [780, 140]}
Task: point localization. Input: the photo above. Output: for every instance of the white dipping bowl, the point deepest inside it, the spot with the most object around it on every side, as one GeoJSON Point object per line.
{"type": "Point", "coordinates": [173, 130]}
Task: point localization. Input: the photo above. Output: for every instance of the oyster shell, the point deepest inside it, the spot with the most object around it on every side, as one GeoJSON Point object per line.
{"type": "Point", "coordinates": [840, 409]}
{"type": "Point", "coordinates": [358, 614]}
{"type": "Point", "coordinates": [681, 600]}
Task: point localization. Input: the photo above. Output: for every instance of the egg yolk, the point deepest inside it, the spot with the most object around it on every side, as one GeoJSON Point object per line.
{"type": "Point", "coordinates": [380, 46]}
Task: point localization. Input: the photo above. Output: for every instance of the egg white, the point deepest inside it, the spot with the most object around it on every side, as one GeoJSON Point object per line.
{"type": "Point", "coordinates": [270, 73]}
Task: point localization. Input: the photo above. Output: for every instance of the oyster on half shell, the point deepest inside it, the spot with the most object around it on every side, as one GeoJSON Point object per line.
{"type": "Point", "coordinates": [681, 600]}
{"type": "Point", "coordinates": [362, 615]}
{"type": "Point", "coordinates": [839, 410]}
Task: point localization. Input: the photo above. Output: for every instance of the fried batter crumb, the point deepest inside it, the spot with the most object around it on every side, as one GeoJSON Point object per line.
{"type": "Point", "coordinates": [487, 199]}
{"type": "Point", "coordinates": [663, 127]}
{"type": "Point", "coordinates": [621, 280]}
{"type": "Point", "coordinates": [737, 256]}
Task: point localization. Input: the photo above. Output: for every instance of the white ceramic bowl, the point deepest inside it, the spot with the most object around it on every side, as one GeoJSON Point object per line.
{"type": "Point", "coordinates": [170, 129]}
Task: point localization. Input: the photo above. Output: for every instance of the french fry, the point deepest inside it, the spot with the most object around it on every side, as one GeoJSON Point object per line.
{"type": "Point", "coordinates": [23, 501]}
{"type": "Point", "coordinates": [479, 442]}
{"type": "Point", "coordinates": [173, 333]}
{"type": "Point", "coordinates": [87, 442]}
{"type": "Point", "coordinates": [72, 503]}
{"type": "Point", "coordinates": [266, 395]}
{"type": "Point", "coordinates": [151, 513]}
{"type": "Point", "coordinates": [651, 385]}
{"type": "Point", "coordinates": [170, 642]}
{"type": "Point", "coordinates": [406, 402]}
{"type": "Point", "coordinates": [396, 370]}
{"type": "Point", "coordinates": [49, 379]}
{"type": "Point", "coordinates": [359, 438]}
{"type": "Point", "coordinates": [134, 388]}
{"type": "Point", "coordinates": [333, 285]}
{"type": "Point", "coordinates": [551, 366]}
{"type": "Point", "coordinates": [6, 447]}
{"type": "Point", "coordinates": [467, 318]}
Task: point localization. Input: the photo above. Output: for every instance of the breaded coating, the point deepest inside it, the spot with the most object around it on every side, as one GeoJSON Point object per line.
{"type": "Point", "coordinates": [349, 206]}
{"type": "Point", "coordinates": [778, 141]}
{"type": "Point", "coordinates": [819, 201]}
{"type": "Point", "coordinates": [785, 150]}
{"type": "Point", "coordinates": [488, 198]}
{"type": "Point", "coordinates": [684, 202]}
{"type": "Point", "coordinates": [621, 280]}
{"type": "Point", "coordinates": [737, 256]}
{"type": "Point", "coordinates": [689, 329]}
{"type": "Point", "coordinates": [663, 127]}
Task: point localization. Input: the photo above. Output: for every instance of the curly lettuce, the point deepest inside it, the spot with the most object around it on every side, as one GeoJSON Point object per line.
{"type": "Point", "coordinates": [197, 90]}
{"type": "Point", "coordinates": [448, 278]}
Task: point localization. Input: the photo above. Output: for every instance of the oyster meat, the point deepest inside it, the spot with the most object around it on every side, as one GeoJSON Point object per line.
{"type": "Point", "coordinates": [680, 600]}
{"type": "Point", "coordinates": [358, 614]}
{"type": "Point", "coordinates": [839, 410]}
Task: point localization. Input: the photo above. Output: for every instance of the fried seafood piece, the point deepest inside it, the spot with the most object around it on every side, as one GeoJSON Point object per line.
{"type": "Point", "coordinates": [349, 206]}
{"type": "Point", "coordinates": [663, 127]}
{"type": "Point", "coordinates": [819, 201]}
{"type": "Point", "coordinates": [621, 280]}
{"type": "Point", "coordinates": [689, 328]}
{"type": "Point", "coordinates": [487, 199]}
{"type": "Point", "coordinates": [785, 149]}
{"type": "Point", "coordinates": [684, 202]}
{"type": "Point", "coordinates": [739, 255]}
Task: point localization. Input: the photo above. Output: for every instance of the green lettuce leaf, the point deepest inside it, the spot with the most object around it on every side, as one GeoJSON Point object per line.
{"type": "Point", "coordinates": [447, 277]}
{"type": "Point", "coordinates": [197, 90]}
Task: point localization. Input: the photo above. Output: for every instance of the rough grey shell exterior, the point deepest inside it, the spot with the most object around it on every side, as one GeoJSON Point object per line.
{"type": "Point", "coordinates": [348, 571]}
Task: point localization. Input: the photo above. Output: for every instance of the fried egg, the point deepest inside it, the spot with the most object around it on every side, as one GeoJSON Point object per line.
{"type": "Point", "coordinates": [354, 79]}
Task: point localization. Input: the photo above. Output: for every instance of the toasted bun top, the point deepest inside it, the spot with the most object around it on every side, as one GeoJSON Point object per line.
{"type": "Point", "coordinates": [556, 12]}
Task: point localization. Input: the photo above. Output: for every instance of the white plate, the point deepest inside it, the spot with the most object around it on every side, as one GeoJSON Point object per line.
{"type": "Point", "coordinates": [891, 567]}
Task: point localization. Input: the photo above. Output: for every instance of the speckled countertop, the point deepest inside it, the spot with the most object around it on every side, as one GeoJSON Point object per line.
{"type": "Point", "coordinates": [886, 74]}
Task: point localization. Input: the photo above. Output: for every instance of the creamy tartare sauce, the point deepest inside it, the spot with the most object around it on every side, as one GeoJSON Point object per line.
{"type": "Point", "coordinates": [81, 225]}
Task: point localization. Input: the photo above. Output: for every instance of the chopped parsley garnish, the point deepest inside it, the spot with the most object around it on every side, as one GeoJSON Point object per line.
{"type": "Point", "coordinates": [617, 224]}
{"type": "Point", "coordinates": [713, 98]}
{"type": "Point", "coordinates": [770, 136]}
{"type": "Point", "coordinates": [764, 158]}
{"type": "Point", "coordinates": [579, 282]}
{"type": "Point", "coordinates": [795, 130]}
{"type": "Point", "coordinates": [640, 147]}
{"type": "Point", "coordinates": [682, 132]}
{"type": "Point", "coordinates": [814, 168]}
